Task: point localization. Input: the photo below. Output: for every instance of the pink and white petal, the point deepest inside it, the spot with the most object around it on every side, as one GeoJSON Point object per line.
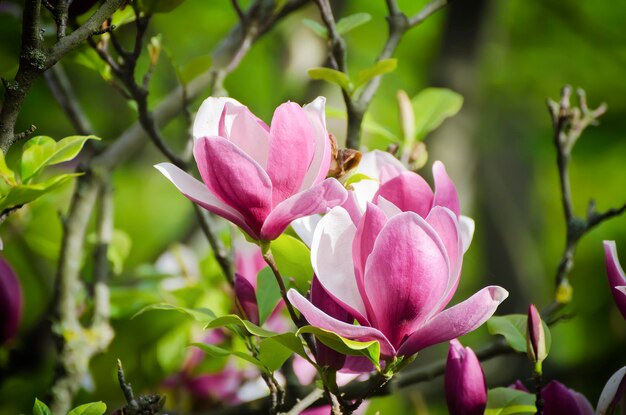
{"type": "Point", "coordinates": [318, 318]}
{"type": "Point", "coordinates": [364, 191]}
{"type": "Point", "coordinates": [445, 190]}
{"type": "Point", "coordinates": [445, 223]}
{"type": "Point", "coordinates": [318, 170]}
{"type": "Point", "coordinates": [466, 229]}
{"type": "Point", "coordinates": [318, 199]}
{"type": "Point", "coordinates": [612, 393]}
{"type": "Point", "coordinates": [198, 193]}
{"type": "Point", "coordinates": [305, 228]}
{"type": "Point", "coordinates": [373, 162]}
{"type": "Point", "coordinates": [389, 209]}
{"type": "Point", "coordinates": [352, 206]}
{"type": "Point", "coordinates": [331, 257]}
{"type": "Point", "coordinates": [292, 146]}
{"type": "Point", "coordinates": [405, 275]}
{"type": "Point", "coordinates": [235, 178]}
{"type": "Point", "coordinates": [408, 191]}
{"type": "Point", "coordinates": [247, 134]}
{"type": "Point", "coordinates": [455, 321]}
{"type": "Point", "coordinates": [616, 275]}
{"type": "Point", "coordinates": [208, 117]}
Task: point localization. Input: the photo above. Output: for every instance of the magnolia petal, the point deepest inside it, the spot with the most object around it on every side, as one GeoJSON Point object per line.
{"type": "Point", "coordinates": [445, 191]}
{"type": "Point", "coordinates": [405, 275]}
{"type": "Point", "coordinates": [198, 193]}
{"type": "Point", "coordinates": [455, 321]}
{"type": "Point", "coordinates": [558, 399]}
{"type": "Point", "coordinates": [317, 199]}
{"type": "Point", "coordinates": [318, 170]}
{"type": "Point", "coordinates": [292, 146]}
{"type": "Point", "coordinates": [247, 133]}
{"type": "Point", "coordinates": [408, 191]}
{"type": "Point", "coordinates": [247, 298]}
{"type": "Point", "coordinates": [305, 228]}
{"type": "Point", "coordinates": [387, 207]}
{"type": "Point", "coordinates": [235, 178]}
{"type": "Point", "coordinates": [331, 256]}
{"type": "Point", "coordinates": [352, 206]}
{"type": "Point", "coordinates": [318, 318]}
{"type": "Point", "coordinates": [372, 165]}
{"type": "Point", "coordinates": [466, 229]}
{"type": "Point", "coordinates": [322, 300]}
{"type": "Point", "coordinates": [248, 259]}
{"type": "Point", "coordinates": [616, 275]}
{"type": "Point", "coordinates": [612, 393]}
{"type": "Point", "coordinates": [465, 387]}
{"type": "Point", "coordinates": [207, 119]}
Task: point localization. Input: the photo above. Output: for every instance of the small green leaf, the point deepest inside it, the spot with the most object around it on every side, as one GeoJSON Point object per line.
{"type": "Point", "coordinates": [158, 6]}
{"type": "Point", "coordinates": [123, 16]}
{"type": "Point", "coordinates": [381, 67]}
{"type": "Point", "coordinates": [6, 174]}
{"type": "Point", "coordinates": [432, 106]}
{"type": "Point", "coordinates": [25, 193]}
{"type": "Point", "coordinates": [42, 151]}
{"type": "Point", "coordinates": [370, 349]}
{"type": "Point", "coordinates": [513, 328]}
{"type": "Point", "coordinates": [89, 58]}
{"type": "Point", "coordinates": [41, 408]}
{"type": "Point", "coordinates": [275, 350]}
{"type": "Point", "coordinates": [508, 401]}
{"type": "Point", "coordinates": [203, 315]}
{"type": "Point", "coordinates": [92, 408]}
{"type": "Point", "coordinates": [119, 249]}
{"type": "Point", "coordinates": [234, 320]}
{"type": "Point", "coordinates": [346, 24]}
{"type": "Point", "coordinates": [170, 348]}
{"type": "Point", "coordinates": [357, 177]}
{"type": "Point", "coordinates": [332, 76]}
{"type": "Point", "coordinates": [267, 293]}
{"type": "Point", "coordinates": [293, 259]}
{"type": "Point", "coordinates": [316, 27]}
{"type": "Point", "coordinates": [216, 351]}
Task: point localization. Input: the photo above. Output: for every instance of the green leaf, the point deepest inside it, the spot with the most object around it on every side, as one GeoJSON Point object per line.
{"type": "Point", "coordinates": [92, 408]}
{"type": "Point", "coordinates": [41, 408]}
{"type": "Point", "coordinates": [119, 249]}
{"type": "Point", "coordinates": [203, 315]}
{"type": "Point", "coordinates": [316, 27]}
{"type": "Point", "coordinates": [513, 328]}
{"type": "Point", "coordinates": [6, 174]}
{"type": "Point", "coordinates": [123, 16]}
{"type": "Point", "coordinates": [357, 177]}
{"type": "Point", "coordinates": [25, 193]}
{"type": "Point", "coordinates": [381, 67]}
{"type": "Point", "coordinates": [170, 348]}
{"type": "Point", "coordinates": [216, 351]}
{"type": "Point", "coordinates": [158, 6]}
{"type": "Point", "coordinates": [293, 259]}
{"type": "Point", "coordinates": [507, 401]}
{"type": "Point", "coordinates": [332, 76]}
{"type": "Point", "coordinates": [370, 349]}
{"type": "Point", "coordinates": [194, 67]}
{"type": "Point", "coordinates": [267, 293]}
{"type": "Point", "coordinates": [346, 24]}
{"type": "Point", "coordinates": [234, 320]}
{"type": "Point", "coordinates": [89, 58]}
{"type": "Point", "coordinates": [275, 350]}
{"type": "Point", "coordinates": [432, 106]}
{"type": "Point", "coordinates": [42, 151]}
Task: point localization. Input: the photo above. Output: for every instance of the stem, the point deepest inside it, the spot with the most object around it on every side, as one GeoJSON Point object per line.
{"type": "Point", "coordinates": [269, 259]}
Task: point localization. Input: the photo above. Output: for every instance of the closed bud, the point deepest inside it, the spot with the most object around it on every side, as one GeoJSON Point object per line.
{"type": "Point", "coordinates": [466, 390]}
{"type": "Point", "coordinates": [535, 336]}
{"type": "Point", "coordinates": [10, 302]}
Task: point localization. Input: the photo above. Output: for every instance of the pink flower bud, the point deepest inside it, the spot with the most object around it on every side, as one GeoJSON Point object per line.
{"type": "Point", "coordinates": [10, 302]}
{"type": "Point", "coordinates": [558, 399]}
{"type": "Point", "coordinates": [466, 390]}
{"type": "Point", "coordinates": [617, 278]}
{"type": "Point", "coordinates": [535, 336]}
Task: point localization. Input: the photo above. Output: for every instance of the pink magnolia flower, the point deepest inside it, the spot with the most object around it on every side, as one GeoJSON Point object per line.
{"type": "Point", "coordinates": [559, 399]}
{"type": "Point", "coordinates": [617, 277]}
{"type": "Point", "coordinates": [10, 302]}
{"type": "Point", "coordinates": [260, 177]}
{"type": "Point", "coordinates": [465, 386]}
{"type": "Point", "coordinates": [395, 271]}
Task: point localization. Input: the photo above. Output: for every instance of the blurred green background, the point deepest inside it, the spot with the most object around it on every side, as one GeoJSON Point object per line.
{"type": "Point", "coordinates": [504, 56]}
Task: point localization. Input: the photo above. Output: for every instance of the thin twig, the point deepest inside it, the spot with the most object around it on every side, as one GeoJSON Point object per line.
{"type": "Point", "coordinates": [305, 402]}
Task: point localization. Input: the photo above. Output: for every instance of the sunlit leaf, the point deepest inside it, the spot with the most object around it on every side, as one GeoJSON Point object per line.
{"type": "Point", "coordinates": [508, 401]}
{"type": "Point", "coordinates": [432, 106]}
{"type": "Point", "coordinates": [381, 67]}
{"type": "Point", "coordinates": [293, 259]}
{"type": "Point", "coordinates": [513, 328]}
{"type": "Point", "coordinates": [234, 320]}
{"type": "Point", "coordinates": [355, 178]}
{"type": "Point", "coordinates": [275, 350]}
{"type": "Point", "coordinates": [92, 408]}
{"type": "Point", "coordinates": [267, 293]}
{"type": "Point", "coordinates": [25, 193]}
{"type": "Point", "coordinates": [203, 315]}
{"type": "Point", "coordinates": [346, 24]}
{"type": "Point", "coordinates": [41, 408]}
{"type": "Point", "coordinates": [316, 27]}
{"type": "Point", "coordinates": [332, 76]}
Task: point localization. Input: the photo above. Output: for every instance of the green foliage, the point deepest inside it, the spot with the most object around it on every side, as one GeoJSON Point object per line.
{"type": "Point", "coordinates": [275, 350]}
{"type": "Point", "coordinates": [513, 328]}
{"type": "Point", "coordinates": [342, 27]}
{"type": "Point", "coordinates": [333, 76]}
{"type": "Point", "coordinates": [293, 259]}
{"type": "Point", "coordinates": [267, 293]}
{"type": "Point", "coordinates": [343, 80]}
{"type": "Point", "coordinates": [92, 408]}
{"type": "Point", "coordinates": [41, 408]}
{"type": "Point", "coordinates": [381, 67]}
{"type": "Point", "coordinates": [432, 106]}
{"type": "Point", "coordinates": [369, 349]}
{"type": "Point", "coordinates": [507, 401]}
{"type": "Point", "coordinates": [158, 6]}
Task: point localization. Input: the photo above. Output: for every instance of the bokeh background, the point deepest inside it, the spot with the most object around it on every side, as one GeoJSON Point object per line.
{"type": "Point", "coordinates": [504, 56]}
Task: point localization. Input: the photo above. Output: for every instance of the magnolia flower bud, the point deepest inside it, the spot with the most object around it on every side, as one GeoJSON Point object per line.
{"type": "Point", "coordinates": [10, 302]}
{"type": "Point", "coordinates": [466, 390]}
{"type": "Point", "coordinates": [535, 336]}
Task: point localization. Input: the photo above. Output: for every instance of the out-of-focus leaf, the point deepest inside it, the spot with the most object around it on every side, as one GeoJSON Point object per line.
{"type": "Point", "coordinates": [507, 401]}
{"type": "Point", "coordinates": [42, 151]}
{"type": "Point", "coordinates": [6, 174]}
{"type": "Point", "coordinates": [432, 106]}
{"type": "Point", "coordinates": [25, 193]}
{"type": "Point", "coordinates": [194, 67]}
{"type": "Point", "coordinates": [92, 408]}
{"type": "Point", "coordinates": [346, 24]}
{"type": "Point", "coordinates": [267, 293]}
{"type": "Point", "coordinates": [234, 320]}
{"type": "Point", "coordinates": [118, 251]}
{"type": "Point", "coordinates": [332, 76]}
{"type": "Point", "coordinates": [216, 351]}
{"type": "Point", "coordinates": [41, 408]}
{"type": "Point", "coordinates": [513, 328]}
{"type": "Point", "coordinates": [159, 6]}
{"type": "Point", "coordinates": [203, 315]}
{"type": "Point", "coordinates": [370, 349]}
{"type": "Point", "coordinates": [369, 125]}
{"type": "Point", "coordinates": [381, 67]}
{"type": "Point", "coordinates": [123, 16]}
{"type": "Point", "coordinates": [89, 58]}
{"type": "Point", "coordinates": [316, 27]}
{"type": "Point", "coordinates": [274, 351]}
{"type": "Point", "coordinates": [171, 348]}
{"type": "Point", "coordinates": [293, 259]}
